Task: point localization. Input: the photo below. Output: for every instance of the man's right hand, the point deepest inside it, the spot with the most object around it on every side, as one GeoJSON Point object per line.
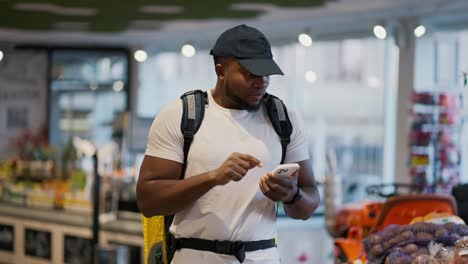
{"type": "Point", "coordinates": [234, 168]}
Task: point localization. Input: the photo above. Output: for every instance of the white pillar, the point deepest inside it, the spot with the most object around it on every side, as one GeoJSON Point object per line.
{"type": "Point", "coordinates": [406, 43]}
{"type": "Point", "coordinates": [390, 107]}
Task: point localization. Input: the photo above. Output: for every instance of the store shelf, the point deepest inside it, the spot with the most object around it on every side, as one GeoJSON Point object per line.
{"type": "Point", "coordinates": [57, 237]}
{"type": "Point", "coordinates": [429, 109]}
{"type": "Point", "coordinates": [61, 217]}
{"type": "Point", "coordinates": [438, 124]}
{"type": "Point", "coordinates": [421, 149]}
{"type": "Point", "coordinates": [438, 127]}
{"type": "Point", "coordinates": [451, 88]}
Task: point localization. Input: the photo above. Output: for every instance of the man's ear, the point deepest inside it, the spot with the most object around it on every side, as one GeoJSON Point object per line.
{"type": "Point", "coordinates": [219, 68]}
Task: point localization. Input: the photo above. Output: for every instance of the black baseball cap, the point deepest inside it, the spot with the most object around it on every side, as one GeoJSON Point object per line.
{"type": "Point", "coordinates": [250, 47]}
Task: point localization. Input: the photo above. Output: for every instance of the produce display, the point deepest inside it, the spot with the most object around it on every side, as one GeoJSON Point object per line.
{"type": "Point", "coordinates": [421, 242]}
{"type": "Point", "coordinates": [461, 251]}
{"type": "Point", "coordinates": [434, 140]}
{"type": "Point", "coordinates": [42, 177]}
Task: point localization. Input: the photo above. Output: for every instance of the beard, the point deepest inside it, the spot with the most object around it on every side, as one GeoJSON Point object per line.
{"type": "Point", "coordinates": [242, 104]}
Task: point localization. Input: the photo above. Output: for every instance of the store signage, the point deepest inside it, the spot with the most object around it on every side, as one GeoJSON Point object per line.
{"type": "Point", "coordinates": [23, 96]}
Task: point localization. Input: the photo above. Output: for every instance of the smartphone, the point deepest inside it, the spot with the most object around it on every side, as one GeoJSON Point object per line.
{"type": "Point", "coordinates": [285, 170]}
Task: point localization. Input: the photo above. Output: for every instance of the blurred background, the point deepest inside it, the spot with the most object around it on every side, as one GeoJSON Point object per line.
{"type": "Point", "coordinates": [380, 83]}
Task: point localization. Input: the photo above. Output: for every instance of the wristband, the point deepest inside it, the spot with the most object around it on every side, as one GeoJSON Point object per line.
{"type": "Point", "coordinates": [296, 197]}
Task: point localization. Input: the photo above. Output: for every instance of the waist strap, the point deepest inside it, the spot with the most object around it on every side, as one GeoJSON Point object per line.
{"type": "Point", "coordinates": [234, 248]}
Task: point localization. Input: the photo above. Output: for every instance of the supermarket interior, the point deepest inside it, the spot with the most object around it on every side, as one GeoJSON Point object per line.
{"type": "Point", "coordinates": [381, 86]}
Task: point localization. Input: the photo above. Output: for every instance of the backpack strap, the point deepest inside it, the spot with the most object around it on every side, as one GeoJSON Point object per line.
{"type": "Point", "coordinates": [192, 116]}
{"type": "Point", "coordinates": [193, 112]}
{"type": "Point", "coordinates": [280, 120]}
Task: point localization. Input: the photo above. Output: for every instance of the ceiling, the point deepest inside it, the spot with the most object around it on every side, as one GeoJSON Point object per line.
{"type": "Point", "coordinates": [111, 16]}
{"type": "Point", "coordinates": [169, 23]}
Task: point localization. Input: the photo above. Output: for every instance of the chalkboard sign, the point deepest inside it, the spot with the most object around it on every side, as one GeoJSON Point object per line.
{"type": "Point", "coordinates": [38, 244]}
{"type": "Point", "coordinates": [7, 238]}
{"type": "Point", "coordinates": [77, 250]}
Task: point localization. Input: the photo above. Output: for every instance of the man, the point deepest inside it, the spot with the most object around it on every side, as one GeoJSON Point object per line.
{"type": "Point", "coordinates": [227, 193]}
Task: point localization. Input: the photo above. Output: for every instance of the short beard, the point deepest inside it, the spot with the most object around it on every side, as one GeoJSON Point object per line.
{"type": "Point", "coordinates": [243, 105]}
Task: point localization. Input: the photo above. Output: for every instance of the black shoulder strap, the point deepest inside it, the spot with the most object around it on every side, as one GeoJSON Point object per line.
{"type": "Point", "coordinates": [279, 118]}
{"type": "Point", "coordinates": [192, 117]}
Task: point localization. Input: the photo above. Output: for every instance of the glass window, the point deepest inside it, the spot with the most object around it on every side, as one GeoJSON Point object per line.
{"type": "Point", "coordinates": [339, 89]}
{"type": "Point", "coordinates": [88, 88]}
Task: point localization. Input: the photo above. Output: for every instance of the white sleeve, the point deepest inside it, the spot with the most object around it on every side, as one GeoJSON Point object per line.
{"type": "Point", "coordinates": [165, 140]}
{"type": "Point", "coordinates": [298, 148]}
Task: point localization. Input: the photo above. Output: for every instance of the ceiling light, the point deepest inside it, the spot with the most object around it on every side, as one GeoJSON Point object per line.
{"type": "Point", "coordinates": [188, 50]}
{"type": "Point", "coordinates": [380, 32]}
{"type": "Point", "coordinates": [420, 31]}
{"type": "Point", "coordinates": [311, 76]}
{"type": "Point", "coordinates": [118, 86]}
{"type": "Point", "coordinates": [305, 40]}
{"type": "Point", "coordinates": [1, 55]}
{"type": "Point", "coordinates": [140, 55]}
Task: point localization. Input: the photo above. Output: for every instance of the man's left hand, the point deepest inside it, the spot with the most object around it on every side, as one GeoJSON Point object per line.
{"type": "Point", "coordinates": [279, 189]}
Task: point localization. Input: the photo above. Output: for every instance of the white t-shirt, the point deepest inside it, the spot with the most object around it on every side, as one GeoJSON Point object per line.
{"type": "Point", "coordinates": [237, 211]}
